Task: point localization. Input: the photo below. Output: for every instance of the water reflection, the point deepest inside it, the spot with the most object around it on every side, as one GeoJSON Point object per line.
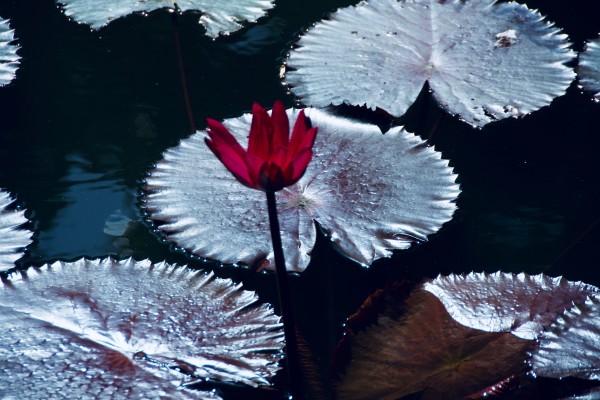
{"type": "Point", "coordinates": [94, 210]}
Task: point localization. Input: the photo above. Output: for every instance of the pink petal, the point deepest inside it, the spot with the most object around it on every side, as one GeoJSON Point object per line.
{"type": "Point", "coordinates": [308, 139]}
{"type": "Point", "coordinates": [272, 178]}
{"type": "Point", "coordinates": [261, 132]}
{"type": "Point", "coordinates": [218, 129]}
{"type": "Point", "coordinates": [281, 126]}
{"type": "Point", "coordinates": [300, 163]}
{"type": "Point", "coordinates": [254, 165]}
{"type": "Point", "coordinates": [298, 133]}
{"type": "Point", "coordinates": [231, 159]}
{"type": "Point", "coordinates": [279, 157]}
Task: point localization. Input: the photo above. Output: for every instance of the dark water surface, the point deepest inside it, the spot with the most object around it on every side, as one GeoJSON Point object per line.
{"type": "Point", "coordinates": [90, 112]}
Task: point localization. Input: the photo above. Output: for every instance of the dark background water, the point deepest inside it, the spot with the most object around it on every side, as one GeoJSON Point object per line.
{"type": "Point", "coordinates": [90, 112]}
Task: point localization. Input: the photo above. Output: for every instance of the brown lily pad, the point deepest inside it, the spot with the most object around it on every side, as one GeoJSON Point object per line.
{"type": "Point", "coordinates": [417, 347]}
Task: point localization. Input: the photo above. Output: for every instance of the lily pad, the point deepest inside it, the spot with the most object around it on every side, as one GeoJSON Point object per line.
{"type": "Point", "coordinates": [591, 394]}
{"type": "Point", "coordinates": [9, 60]}
{"type": "Point", "coordinates": [572, 344]}
{"type": "Point", "coordinates": [483, 60]}
{"type": "Point", "coordinates": [503, 302]}
{"type": "Point", "coordinates": [370, 192]}
{"type": "Point", "coordinates": [130, 329]}
{"type": "Point", "coordinates": [416, 348]}
{"type": "Point", "coordinates": [589, 68]}
{"type": "Point", "coordinates": [13, 238]}
{"type": "Point", "coordinates": [218, 17]}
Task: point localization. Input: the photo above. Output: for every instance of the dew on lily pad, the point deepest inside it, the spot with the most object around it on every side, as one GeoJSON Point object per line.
{"type": "Point", "coordinates": [13, 238]}
{"type": "Point", "coordinates": [9, 60]}
{"type": "Point", "coordinates": [589, 68]}
{"type": "Point", "coordinates": [591, 394]}
{"type": "Point", "coordinates": [416, 348]}
{"type": "Point", "coordinates": [130, 329]}
{"type": "Point", "coordinates": [371, 193]}
{"type": "Point", "coordinates": [218, 17]}
{"type": "Point", "coordinates": [484, 61]}
{"type": "Point", "coordinates": [570, 347]}
{"type": "Point", "coordinates": [504, 302]}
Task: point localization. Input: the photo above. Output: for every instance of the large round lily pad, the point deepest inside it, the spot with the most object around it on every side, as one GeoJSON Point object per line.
{"type": "Point", "coordinates": [218, 17]}
{"type": "Point", "coordinates": [130, 329]}
{"type": "Point", "coordinates": [483, 60]}
{"type": "Point", "coordinates": [9, 60]}
{"type": "Point", "coordinates": [503, 302]}
{"type": "Point", "coordinates": [13, 238]}
{"type": "Point", "coordinates": [570, 347]}
{"type": "Point", "coordinates": [371, 193]}
{"type": "Point", "coordinates": [589, 68]}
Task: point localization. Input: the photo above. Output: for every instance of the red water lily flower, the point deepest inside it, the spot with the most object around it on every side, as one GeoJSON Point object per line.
{"type": "Point", "coordinates": [273, 159]}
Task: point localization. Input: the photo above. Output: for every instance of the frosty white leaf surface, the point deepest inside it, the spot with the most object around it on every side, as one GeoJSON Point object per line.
{"type": "Point", "coordinates": [9, 60]}
{"type": "Point", "coordinates": [369, 191]}
{"type": "Point", "coordinates": [218, 17]}
{"type": "Point", "coordinates": [503, 302]}
{"type": "Point", "coordinates": [572, 344]}
{"type": "Point", "coordinates": [589, 68]}
{"type": "Point", "coordinates": [130, 329]}
{"type": "Point", "coordinates": [483, 61]}
{"type": "Point", "coordinates": [12, 237]}
{"type": "Point", "coordinates": [590, 394]}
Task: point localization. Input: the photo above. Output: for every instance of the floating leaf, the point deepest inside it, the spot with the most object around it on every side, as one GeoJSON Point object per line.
{"type": "Point", "coordinates": [502, 302]}
{"type": "Point", "coordinates": [12, 238]}
{"type": "Point", "coordinates": [370, 192]}
{"type": "Point", "coordinates": [9, 60]}
{"type": "Point", "coordinates": [127, 329]}
{"type": "Point", "coordinates": [572, 344]}
{"type": "Point", "coordinates": [589, 68]}
{"type": "Point", "coordinates": [416, 347]}
{"type": "Point", "coordinates": [219, 17]}
{"type": "Point", "coordinates": [483, 61]}
{"type": "Point", "coordinates": [591, 394]}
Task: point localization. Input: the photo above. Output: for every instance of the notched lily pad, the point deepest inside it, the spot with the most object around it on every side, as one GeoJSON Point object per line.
{"type": "Point", "coordinates": [589, 68]}
{"type": "Point", "coordinates": [503, 302]}
{"type": "Point", "coordinates": [370, 192]}
{"type": "Point", "coordinates": [218, 17]}
{"type": "Point", "coordinates": [9, 60]}
{"type": "Point", "coordinates": [484, 61]}
{"type": "Point", "coordinates": [126, 329]}
{"type": "Point", "coordinates": [13, 238]}
{"type": "Point", "coordinates": [571, 346]}
{"type": "Point", "coordinates": [416, 348]}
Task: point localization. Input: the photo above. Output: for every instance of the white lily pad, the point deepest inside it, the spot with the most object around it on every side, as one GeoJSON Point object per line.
{"type": "Point", "coordinates": [370, 192]}
{"type": "Point", "coordinates": [484, 61]}
{"type": "Point", "coordinates": [572, 344]}
{"type": "Point", "coordinates": [503, 302]}
{"type": "Point", "coordinates": [13, 238]}
{"type": "Point", "coordinates": [9, 60]}
{"type": "Point", "coordinates": [130, 329]}
{"type": "Point", "coordinates": [218, 17]}
{"type": "Point", "coordinates": [589, 68]}
{"type": "Point", "coordinates": [591, 394]}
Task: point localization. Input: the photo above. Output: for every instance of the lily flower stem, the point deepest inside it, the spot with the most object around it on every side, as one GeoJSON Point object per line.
{"type": "Point", "coordinates": [182, 78]}
{"type": "Point", "coordinates": [285, 301]}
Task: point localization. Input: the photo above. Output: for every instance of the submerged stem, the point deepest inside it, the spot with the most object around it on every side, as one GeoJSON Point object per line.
{"type": "Point", "coordinates": [186, 95]}
{"type": "Point", "coordinates": [285, 301]}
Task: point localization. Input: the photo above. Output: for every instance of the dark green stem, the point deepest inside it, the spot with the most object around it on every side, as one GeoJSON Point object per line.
{"type": "Point", "coordinates": [285, 301]}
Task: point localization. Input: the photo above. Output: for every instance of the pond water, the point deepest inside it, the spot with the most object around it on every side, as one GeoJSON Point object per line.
{"type": "Point", "coordinates": [91, 112]}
